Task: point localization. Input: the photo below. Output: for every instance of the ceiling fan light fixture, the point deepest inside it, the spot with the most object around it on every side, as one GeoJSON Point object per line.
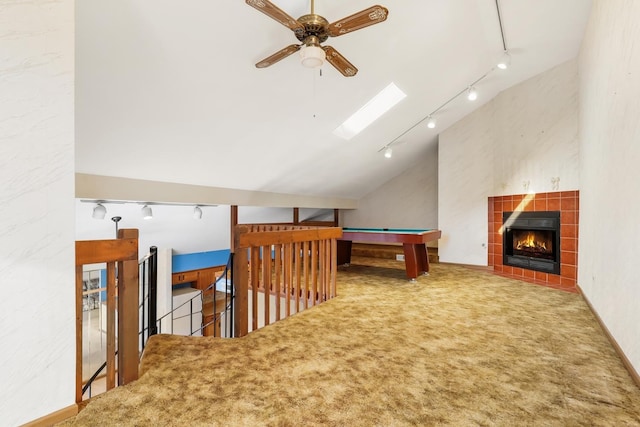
{"type": "Point", "coordinates": [312, 56]}
{"type": "Point", "coordinates": [312, 30]}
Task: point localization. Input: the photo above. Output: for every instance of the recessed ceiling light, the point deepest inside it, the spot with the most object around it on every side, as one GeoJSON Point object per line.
{"type": "Point", "coordinates": [370, 112]}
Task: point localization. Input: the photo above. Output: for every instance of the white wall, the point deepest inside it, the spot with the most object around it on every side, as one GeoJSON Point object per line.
{"type": "Point", "coordinates": [514, 144]}
{"type": "Point", "coordinates": [37, 308]}
{"type": "Point", "coordinates": [409, 200]}
{"type": "Point", "coordinates": [257, 214]}
{"type": "Point", "coordinates": [609, 238]}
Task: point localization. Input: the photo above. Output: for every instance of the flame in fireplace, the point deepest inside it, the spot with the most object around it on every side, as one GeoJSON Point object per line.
{"type": "Point", "coordinates": [530, 242]}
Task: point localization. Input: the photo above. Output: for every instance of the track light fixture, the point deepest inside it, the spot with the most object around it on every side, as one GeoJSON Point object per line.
{"type": "Point", "coordinates": [431, 122]}
{"type": "Point", "coordinates": [388, 152]}
{"type": "Point", "coordinates": [147, 213]}
{"type": "Point", "coordinates": [505, 61]}
{"type": "Point", "coordinates": [116, 219]}
{"type": "Point", "coordinates": [197, 212]}
{"type": "Point", "coordinates": [99, 211]}
{"type": "Point", "coordinates": [472, 94]}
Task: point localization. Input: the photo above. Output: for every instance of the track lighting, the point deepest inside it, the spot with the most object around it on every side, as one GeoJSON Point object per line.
{"type": "Point", "coordinates": [472, 94]}
{"type": "Point", "coordinates": [147, 213]}
{"type": "Point", "coordinates": [99, 211]}
{"type": "Point", "coordinates": [116, 219]}
{"type": "Point", "coordinates": [388, 152]}
{"type": "Point", "coordinates": [197, 212]}
{"type": "Point", "coordinates": [431, 123]}
{"type": "Point", "coordinates": [505, 61]}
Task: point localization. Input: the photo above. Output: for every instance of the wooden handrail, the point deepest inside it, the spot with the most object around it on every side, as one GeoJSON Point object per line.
{"type": "Point", "coordinates": [99, 251]}
{"type": "Point", "coordinates": [297, 264]}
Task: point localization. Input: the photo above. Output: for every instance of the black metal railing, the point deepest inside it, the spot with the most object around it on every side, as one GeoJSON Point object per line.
{"type": "Point", "coordinates": [150, 324]}
{"type": "Point", "coordinates": [148, 307]}
{"type": "Point", "coordinates": [148, 285]}
{"type": "Point", "coordinates": [223, 284]}
{"type": "Point", "coordinates": [226, 282]}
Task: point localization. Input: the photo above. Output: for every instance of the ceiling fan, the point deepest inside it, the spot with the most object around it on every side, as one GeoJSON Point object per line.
{"type": "Point", "coordinates": [312, 30]}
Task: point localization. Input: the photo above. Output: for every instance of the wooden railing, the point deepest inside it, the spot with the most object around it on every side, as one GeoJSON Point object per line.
{"type": "Point", "coordinates": [123, 253]}
{"type": "Point", "coordinates": [295, 265]}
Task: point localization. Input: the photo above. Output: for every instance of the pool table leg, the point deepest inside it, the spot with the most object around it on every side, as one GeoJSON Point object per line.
{"type": "Point", "coordinates": [415, 259]}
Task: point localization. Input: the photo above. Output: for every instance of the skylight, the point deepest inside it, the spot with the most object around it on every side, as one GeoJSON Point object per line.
{"type": "Point", "coordinates": [370, 112]}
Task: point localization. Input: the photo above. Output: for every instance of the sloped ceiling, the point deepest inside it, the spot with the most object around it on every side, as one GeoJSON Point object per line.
{"type": "Point", "coordinates": [167, 90]}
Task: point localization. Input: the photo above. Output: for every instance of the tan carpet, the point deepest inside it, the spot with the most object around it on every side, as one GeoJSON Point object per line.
{"type": "Point", "coordinates": [459, 347]}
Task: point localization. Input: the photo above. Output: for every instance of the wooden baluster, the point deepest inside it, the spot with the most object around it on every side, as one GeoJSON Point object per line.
{"type": "Point", "coordinates": [277, 278]}
{"type": "Point", "coordinates": [297, 275]}
{"type": "Point", "coordinates": [254, 267]}
{"type": "Point", "coordinates": [321, 272]}
{"type": "Point", "coordinates": [288, 280]}
{"type": "Point", "coordinates": [111, 325]}
{"type": "Point", "coordinates": [305, 273]}
{"type": "Point", "coordinates": [334, 267]}
{"type": "Point", "coordinates": [314, 270]}
{"type": "Point", "coordinates": [241, 283]}
{"type": "Point", "coordinates": [329, 272]}
{"type": "Point", "coordinates": [266, 281]}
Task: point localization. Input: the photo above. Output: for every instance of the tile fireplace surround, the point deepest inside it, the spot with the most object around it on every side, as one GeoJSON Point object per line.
{"type": "Point", "coordinates": [567, 202]}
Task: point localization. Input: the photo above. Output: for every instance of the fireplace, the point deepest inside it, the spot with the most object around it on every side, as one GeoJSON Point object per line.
{"type": "Point", "coordinates": [565, 202]}
{"type": "Point", "coordinates": [531, 240]}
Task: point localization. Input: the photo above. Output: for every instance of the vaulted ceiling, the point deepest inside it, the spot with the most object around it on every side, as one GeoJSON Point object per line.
{"type": "Point", "coordinates": [167, 90]}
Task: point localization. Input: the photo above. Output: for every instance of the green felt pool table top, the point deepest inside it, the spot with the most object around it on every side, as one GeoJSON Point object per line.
{"type": "Point", "coordinates": [387, 230]}
{"type": "Point", "coordinates": [390, 235]}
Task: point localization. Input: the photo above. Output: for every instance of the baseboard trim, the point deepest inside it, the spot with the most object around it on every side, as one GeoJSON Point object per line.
{"type": "Point", "coordinates": [472, 266]}
{"type": "Point", "coordinates": [623, 357]}
{"type": "Point", "coordinates": [55, 417]}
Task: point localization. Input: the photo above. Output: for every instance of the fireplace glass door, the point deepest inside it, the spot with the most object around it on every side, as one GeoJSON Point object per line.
{"type": "Point", "coordinates": [531, 240]}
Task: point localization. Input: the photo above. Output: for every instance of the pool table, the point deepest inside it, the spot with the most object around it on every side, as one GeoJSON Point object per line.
{"type": "Point", "coordinates": [413, 242]}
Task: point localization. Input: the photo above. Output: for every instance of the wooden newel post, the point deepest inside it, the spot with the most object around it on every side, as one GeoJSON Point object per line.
{"type": "Point", "coordinates": [128, 353]}
{"type": "Point", "coordinates": [241, 283]}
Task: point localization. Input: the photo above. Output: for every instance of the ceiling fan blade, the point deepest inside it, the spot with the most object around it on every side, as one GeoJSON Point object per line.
{"type": "Point", "coordinates": [281, 54]}
{"type": "Point", "coordinates": [273, 11]}
{"type": "Point", "coordinates": [340, 62]}
{"type": "Point", "coordinates": [364, 18]}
